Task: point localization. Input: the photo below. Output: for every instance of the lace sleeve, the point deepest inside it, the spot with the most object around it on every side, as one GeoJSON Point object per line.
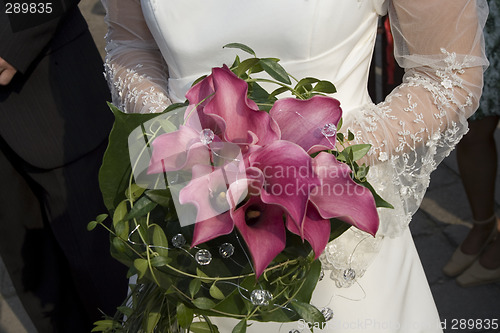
{"type": "Point", "coordinates": [134, 67]}
{"type": "Point", "coordinates": [440, 45]}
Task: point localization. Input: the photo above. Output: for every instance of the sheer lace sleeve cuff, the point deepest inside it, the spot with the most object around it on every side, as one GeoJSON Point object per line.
{"type": "Point", "coordinates": [440, 45]}
{"type": "Point", "coordinates": [134, 67]}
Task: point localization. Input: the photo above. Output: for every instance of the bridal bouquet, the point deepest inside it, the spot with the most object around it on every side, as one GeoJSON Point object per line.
{"type": "Point", "coordinates": [222, 205]}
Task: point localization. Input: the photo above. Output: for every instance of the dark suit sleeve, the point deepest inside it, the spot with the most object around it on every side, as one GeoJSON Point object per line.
{"type": "Point", "coordinates": [20, 47]}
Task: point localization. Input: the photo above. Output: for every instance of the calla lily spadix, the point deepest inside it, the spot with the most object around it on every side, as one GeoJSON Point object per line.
{"type": "Point", "coordinates": [261, 226]}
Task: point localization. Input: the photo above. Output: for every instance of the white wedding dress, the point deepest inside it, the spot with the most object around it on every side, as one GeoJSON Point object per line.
{"type": "Point", "coordinates": [157, 48]}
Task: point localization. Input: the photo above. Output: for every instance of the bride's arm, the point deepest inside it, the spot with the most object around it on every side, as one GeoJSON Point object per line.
{"type": "Point", "coordinates": [135, 70]}
{"type": "Point", "coordinates": [439, 43]}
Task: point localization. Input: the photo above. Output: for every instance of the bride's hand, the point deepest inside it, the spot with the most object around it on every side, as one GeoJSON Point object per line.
{"type": "Point", "coordinates": [7, 72]}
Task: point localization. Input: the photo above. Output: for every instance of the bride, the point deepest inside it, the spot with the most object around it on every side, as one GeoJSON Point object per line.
{"type": "Point", "coordinates": [156, 49]}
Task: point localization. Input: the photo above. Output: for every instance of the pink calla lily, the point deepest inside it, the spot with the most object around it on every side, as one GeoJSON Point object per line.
{"type": "Point", "coordinates": [304, 121]}
{"type": "Point", "coordinates": [206, 191]}
{"type": "Point", "coordinates": [261, 226]}
{"type": "Point", "coordinates": [198, 96]}
{"type": "Point", "coordinates": [178, 150]}
{"type": "Point", "coordinates": [340, 197]}
{"type": "Point", "coordinates": [289, 176]}
{"type": "Point", "coordinates": [315, 229]}
{"type": "Point", "coordinates": [222, 97]}
{"type": "Point", "coordinates": [211, 228]}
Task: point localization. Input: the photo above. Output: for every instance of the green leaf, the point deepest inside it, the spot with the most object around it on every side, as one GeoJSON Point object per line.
{"type": "Point", "coordinates": [176, 106]}
{"type": "Point", "coordinates": [311, 280]}
{"type": "Point", "coordinates": [275, 70]}
{"type": "Point", "coordinates": [142, 266]}
{"type": "Point", "coordinates": [143, 206]}
{"type": "Point", "coordinates": [202, 275]}
{"type": "Point", "coordinates": [308, 312]}
{"type": "Point", "coordinates": [259, 95]}
{"type": "Point", "coordinates": [114, 174]}
{"type": "Point", "coordinates": [133, 192]}
{"type": "Point", "coordinates": [121, 226]}
{"type": "Point", "coordinates": [91, 226]}
{"type": "Point", "coordinates": [100, 218]}
{"type": "Point", "coordinates": [278, 91]}
{"type": "Point", "coordinates": [215, 292]}
{"type": "Point", "coordinates": [204, 303]}
{"type": "Point", "coordinates": [119, 245]}
{"type": "Point", "coordinates": [306, 82]}
{"type": "Point", "coordinates": [245, 65]}
{"type": "Point", "coordinates": [257, 68]}
{"type": "Point", "coordinates": [240, 46]}
{"type": "Point", "coordinates": [120, 212]}
{"type": "Point", "coordinates": [161, 197]}
{"type": "Point", "coordinates": [340, 137]}
{"type": "Point", "coordinates": [338, 227]}
{"type": "Point", "coordinates": [241, 327]}
{"type": "Point", "coordinates": [164, 281]}
{"type": "Point", "coordinates": [159, 261]}
{"type": "Point", "coordinates": [160, 241]}
{"type": "Point", "coordinates": [167, 126]}
{"type": "Point", "coordinates": [153, 318]}
{"type": "Point", "coordinates": [105, 325]}
{"type": "Point", "coordinates": [194, 287]}
{"type": "Point", "coordinates": [198, 80]}
{"type": "Point", "coordinates": [341, 157]}
{"type": "Point", "coordinates": [125, 310]}
{"type": "Point", "coordinates": [184, 315]}
{"type": "Point", "coordinates": [358, 151]}
{"type": "Point", "coordinates": [236, 62]}
{"type": "Point", "coordinates": [379, 201]}
{"type": "Point", "coordinates": [350, 154]}
{"type": "Point", "coordinates": [362, 171]}
{"type": "Point", "coordinates": [325, 87]}
{"type": "Point", "coordinates": [213, 327]}
{"type": "Point", "coordinates": [131, 272]}
{"type": "Point", "coordinates": [200, 327]}
{"type": "Point", "coordinates": [339, 125]}
{"type": "Point", "coordinates": [350, 135]}
{"type": "Point", "coordinates": [354, 152]}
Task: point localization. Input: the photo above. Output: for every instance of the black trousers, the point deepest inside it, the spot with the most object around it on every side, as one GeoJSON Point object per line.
{"type": "Point", "coordinates": [62, 273]}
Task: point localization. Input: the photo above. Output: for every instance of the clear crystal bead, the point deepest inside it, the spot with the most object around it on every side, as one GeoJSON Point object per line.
{"type": "Point", "coordinates": [327, 313]}
{"type": "Point", "coordinates": [321, 274]}
{"type": "Point", "coordinates": [178, 241]}
{"type": "Point", "coordinates": [349, 274]}
{"type": "Point", "coordinates": [203, 257]}
{"type": "Point", "coordinates": [329, 130]}
{"type": "Point", "coordinates": [226, 250]}
{"type": "Point", "coordinates": [260, 297]}
{"type": "Point", "coordinates": [207, 136]}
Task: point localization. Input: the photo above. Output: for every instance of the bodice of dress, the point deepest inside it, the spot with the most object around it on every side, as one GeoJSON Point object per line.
{"type": "Point", "coordinates": [308, 36]}
{"type": "Point", "coordinates": [157, 48]}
